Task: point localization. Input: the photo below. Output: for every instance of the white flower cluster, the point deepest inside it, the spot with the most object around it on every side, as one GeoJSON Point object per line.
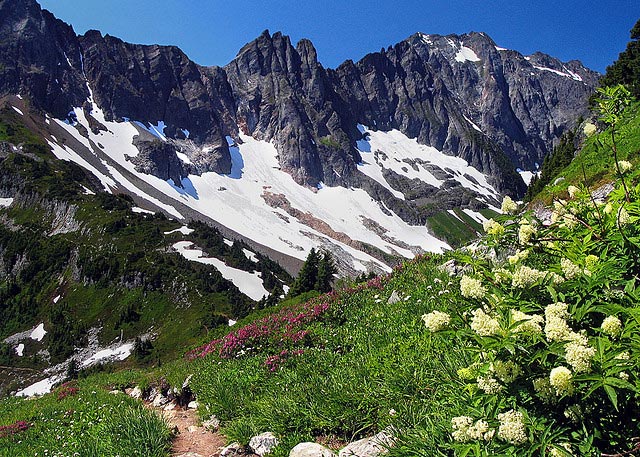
{"type": "Point", "coordinates": [509, 206]}
{"type": "Point", "coordinates": [579, 354]}
{"type": "Point", "coordinates": [436, 320]}
{"type": "Point", "coordinates": [517, 257]}
{"type": "Point", "coordinates": [484, 324]}
{"type": "Point", "coordinates": [464, 429]}
{"type": "Point", "coordinates": [623, 216]}
{"type": "Point", "coordinates": [612, 326]}
{"type": "Point", "coordinates": [589, 129]}
{"type": "Point", "coordinates": [527, 324]}
{"type": "Point", "coordinates": [492, 227]}
{"type": "Point", "coordinates": [573, 191]}
{"type": "Point", "coordinates": [570, 269]}
{"type": "Point", "coordinates": [489, 384]}
{"type": "Point", "coordinates": [512, 429]}
{"type": "Point", "coordinates": [556, 327]}
{"type": "Point", "coordinates": [526, 232]}
{"type": "Point", "coordinates": [472, 288]}
{"type": "Point", "coordinates": [525, 276]}
{"type": "Point", "coordinates": [624, 166]}
{"type": "Point", "coordinates": [561, 380]}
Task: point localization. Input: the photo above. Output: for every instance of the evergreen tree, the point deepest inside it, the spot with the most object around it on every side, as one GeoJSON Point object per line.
{"type": "Point", "coordinates": [626, 70]}
{"type": "Point", "coordinates": [306, 280]}
{"type": "Point", "coordinates": [326, 270]}
{"type": "Point", "coordinates": [553, 164]}
{"type": "Point", "coordinates": [72, 369]}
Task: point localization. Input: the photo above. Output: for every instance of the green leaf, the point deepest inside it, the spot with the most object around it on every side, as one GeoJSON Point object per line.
{"type": "Point", "coordinates": [613, 396]}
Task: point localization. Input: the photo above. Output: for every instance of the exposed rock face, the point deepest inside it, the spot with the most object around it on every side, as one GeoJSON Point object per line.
{"type": "Point", "coordinates": [40, 57]}
{"type": "Point", "coordinates": [460, 94]}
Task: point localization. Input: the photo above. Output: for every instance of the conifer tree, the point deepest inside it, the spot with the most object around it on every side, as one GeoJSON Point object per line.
{"type": "Point", "coordinates": [326, 270]}
{"type": "Point", "coordinates": [626, 70]}
{"type": "Point", "coordinates": [306, 280]}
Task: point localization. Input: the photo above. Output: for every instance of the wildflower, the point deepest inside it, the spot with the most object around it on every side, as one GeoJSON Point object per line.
{"type": "Point", "coordinates": [612, 326]}
{"type": "Point", "coordinates": [558, 309]}
{"type": "Point", "coordinates": [573, 191]}
{"type": "Point", "coordinates": [512, 427]}
{"type": "Point", "coordinates": [436, 320]}
{"type": "Point", "coordinates": [392, 412]}
{"type": "Point", "coordinates": [461, 426]}
{"type": "Point", "coordinates": [517, 257]}
{"type": "Point", "coordinates": [501, 275]}
{"type": "Point", "coordinates": [561, 380]}
{"type": "Point", "coordinates": [556, 451]}
{"type": "Point", "coordinates": [506, 371]}
{"type": "Point", "coordinates": [623, 356]}
{"type": "Point", "coordinates": [623, 375]}
{"type": "Point", "coordinates": [608, 208]}
{"type": "Point", "coordinates": [471, 288]}
{"type": "Point", "coordinates": [579, 356]}
{"type": "Point", "coordinates": [556, 329]}
{"type": "Point", "coordinates": [509, 206]}
{"type": "Point", "coordinates": [465, 430]}
{"type": "Point", "coordinates": [529, 324]}
{"type": "Point", "coordinates": [569, 221]}
{"type": "Point", "coordinates": [489, 384]}
{"type": "Point", "coordinates": [492, 227]}
{"type": "Point", "coordinates": [483, 324]}
{"type": "Point", "coordinates": [543, 389]}
{"type": "Point", "coordinates": [623, 216]}
{"type": "Point", "coordinates": [570, 269]}
{"type": "Point", "coordinates": [624, 166]}
{"type": "Point", "coordinates": [591, 261]}
{"type": "Point", "coordinates": [589, 129]}
{"type": "Point", "coordinates": [526, 276]}
{"type": "Point", "coordinates": [466, 373]}
{"type": "Point", "coordinates": [525, 232]}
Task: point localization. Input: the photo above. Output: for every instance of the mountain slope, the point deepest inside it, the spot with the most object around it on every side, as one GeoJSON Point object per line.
{"type": "Point", "coordinates": [461, 95]}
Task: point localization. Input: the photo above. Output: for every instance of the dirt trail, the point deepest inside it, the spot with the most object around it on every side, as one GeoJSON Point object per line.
{"type": "Point", "coordinates": [192, 440]}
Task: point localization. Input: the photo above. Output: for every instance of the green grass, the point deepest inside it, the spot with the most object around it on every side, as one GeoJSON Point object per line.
{"type": "Point", "coordinates": [87, 422]}
{"type": "Point", "coordinates": [452, 229]}
{"type": "Point", "coordinates": [595, 159]}
{"type": "Point", "coordinates": [362, 360]}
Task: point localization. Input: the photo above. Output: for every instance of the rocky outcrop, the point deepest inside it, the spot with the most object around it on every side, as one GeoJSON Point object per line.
{"type": "Point", "coordinates": [463, 95]}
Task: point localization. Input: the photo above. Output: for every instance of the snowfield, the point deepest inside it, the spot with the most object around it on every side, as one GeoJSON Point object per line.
{"type": "Point", "coordinates": [249, 284]}
{"type": "Point", "coordinates": [247, 200]}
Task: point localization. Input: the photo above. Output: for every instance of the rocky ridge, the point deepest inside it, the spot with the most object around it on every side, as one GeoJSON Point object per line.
{"type": "Point", "coordinates": [461, 94]}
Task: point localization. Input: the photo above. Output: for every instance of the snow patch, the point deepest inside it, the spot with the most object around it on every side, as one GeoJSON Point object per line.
{"type": "Point", "coordinates": [250, 255]}
{"type": "Point", "coordinates": [17, 110]}
{"type": "Point", "coordinates": [249, 284]}
{"type": "Point", "coordinates": [88, 191]}
{"type": "Point", "coordinates": [498, 48]}
{"type": "Point", "coordinates": [232, 322]}
{"type": "Point", "coordinates": [19, 349]}
{"type": "Point", "coordinates": [40, 387]}
{"type": "Point", "coordinates": [116, 353]}
{"type": "Point", "coordinates": [567, 74]}
{"type": "Point", "coordinates": [4, 202]}
{"type": "Point", "coordinates": [139, 210]}
{"type": "Point", "coordinates": [184, 230]}
{"type": "Point", "coordinates": [56, 299]}
{"type": "Point", "coordinates": [527, 176]}
{"type": "Point", "coordinates": [467, 54]}
{"type": "Point", "coordinates": [472, 124]}
{"type": "Point", "coordinates": [38, 333]}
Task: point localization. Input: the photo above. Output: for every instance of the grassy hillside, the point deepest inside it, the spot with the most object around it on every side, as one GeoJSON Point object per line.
{"type": "Point", "coordinates": [593, 165]}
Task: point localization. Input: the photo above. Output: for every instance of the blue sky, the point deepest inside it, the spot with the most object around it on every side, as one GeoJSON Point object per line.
{"type": "Point", "coordinates": [211, 31]}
